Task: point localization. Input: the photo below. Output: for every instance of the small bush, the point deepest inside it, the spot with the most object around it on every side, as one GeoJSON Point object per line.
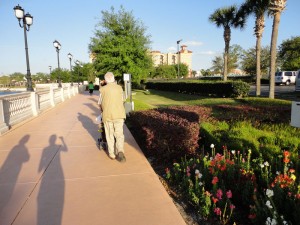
{"type": "Point", "coordinates": [168, 133]}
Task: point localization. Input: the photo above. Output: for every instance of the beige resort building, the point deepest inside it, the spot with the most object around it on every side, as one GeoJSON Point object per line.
{"type": "Point", "coordinates": [183, 56]}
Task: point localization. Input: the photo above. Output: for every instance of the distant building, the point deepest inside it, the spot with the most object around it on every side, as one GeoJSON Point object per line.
{"type": "Point", "coordinates": [183, 56]}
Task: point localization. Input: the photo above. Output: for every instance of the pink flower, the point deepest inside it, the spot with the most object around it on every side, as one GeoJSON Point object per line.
{"type": "Point", "coordinates": [229, 194]}
{"type": "Point", "coordinates": [219, 194]}
{"type": "Point", "coordinates": [232, 206]}
{"type": "Point", "coordinates": [217, 211]}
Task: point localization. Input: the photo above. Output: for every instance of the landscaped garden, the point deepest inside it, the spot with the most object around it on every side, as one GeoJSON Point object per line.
{"type": "Point", "coordinates": [230, 160]}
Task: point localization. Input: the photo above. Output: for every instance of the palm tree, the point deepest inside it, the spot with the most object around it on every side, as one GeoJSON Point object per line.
{"type": "Point", "coordinates": [227, 17]}
{"type": "Point", "coordinates": [259, 9]}
{"type": "Point", "coordinates": [276, 7]}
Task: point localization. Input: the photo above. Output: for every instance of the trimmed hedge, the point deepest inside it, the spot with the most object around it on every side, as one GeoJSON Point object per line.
{"type": "Point", "coordinates": [232, 89]}
{"type": "Point", "coordinates": [168, 133]}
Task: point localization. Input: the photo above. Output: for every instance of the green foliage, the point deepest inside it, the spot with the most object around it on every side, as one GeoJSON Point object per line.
{"type": "Point", "coordinates": [120, 45]}
{"type": "Point", "coordinates": [289, 53]}
{"type": "Point", "coordinates": [62, 74]}
{"type": "Point", "coordinates": [183, 70]}
{"type": "Point", "coordinates": [165, 71]}
{"type": "Point", "coordinates": [248, 61]}
{"type": "Point", "coordinates": [216, 89]}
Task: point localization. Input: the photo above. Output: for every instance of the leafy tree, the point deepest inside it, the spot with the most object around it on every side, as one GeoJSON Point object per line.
{"type": "Point", "coordinates": [40, 78]}
{"type": "Point", "coordinates": [249, 62]}
{"type": "Point", "coordinates": [62, 74]}
{"type": "Point", "coordinates": [276, 7]}
{"type": "Point", "coordinates": [227, 17]}
{"type": "Point", "coordinates": [183, 69]}
{"type": "Point", "coordinates": [259, 9]}
{"type": "Point", "coordinates": [218, 65]}
{"type": "Point", "coordinates": [206, 72]}
{"type": "Point", "coordinates": [289, 54]}
{"type": "Point", "coordinates": [120, 45]}
{"type": "Point", "coordinates": [234, 55]}
{"type": "Point", "coordinates": [165, 71]}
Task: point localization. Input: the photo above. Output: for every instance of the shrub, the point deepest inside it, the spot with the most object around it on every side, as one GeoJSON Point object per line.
{"type": "Point", "coordinates": [168, 133]}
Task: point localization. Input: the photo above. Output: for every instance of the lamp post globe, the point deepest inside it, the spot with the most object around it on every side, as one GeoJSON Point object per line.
{"type": "Point", "coordinates": [27, 21]}
{"type": "Point", "coordinates": [57, 46]}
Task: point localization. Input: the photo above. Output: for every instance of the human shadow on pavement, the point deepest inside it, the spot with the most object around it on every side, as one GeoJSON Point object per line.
{"type": "Point", "coordinates": [9, 172]}
{"type": "Point", "coordinates": [50, 199]}
{"type": "Point", "coordinates": [90, 125]}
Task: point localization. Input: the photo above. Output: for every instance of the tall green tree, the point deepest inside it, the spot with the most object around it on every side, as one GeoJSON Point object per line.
{"type": "Point", "coordinates": [227, 18]}
{"type": "Point", "coordinates": [165, 71]}
{"type": "Point", "coordinates": [183, 69]}
{"type": "Point", "coordinates": [121, 45]}
{"type": "Point", "coordinates": [249, 61]}
{"type": "Point", "coordinates": [276, 7]}
{"type": "Point", "coordinates": [289, 54]}
{"type": "Point", "coordinates": [258, 8]}
{"type": "Point", "coordinates": [234, 55]}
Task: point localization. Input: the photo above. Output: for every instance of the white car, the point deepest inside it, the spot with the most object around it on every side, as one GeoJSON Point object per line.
{"type": "Point", "coordinates": [297, 88]}
{"type": "Point", "coordinates": [285, 77]}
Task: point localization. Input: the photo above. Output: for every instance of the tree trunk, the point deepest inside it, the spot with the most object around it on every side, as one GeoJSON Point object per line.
{"type": "Point", "coordinates": [276, 21]}
{"type": "Point", "coordinates": [227, 43]}
{"type": "Point", "coordinates": [258, 72]}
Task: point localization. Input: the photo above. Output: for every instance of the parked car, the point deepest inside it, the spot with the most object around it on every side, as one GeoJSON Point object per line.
{"type": "Point", "coordinates": [297, 88]}
{"type": "Point", "coordinates": [285, 77]}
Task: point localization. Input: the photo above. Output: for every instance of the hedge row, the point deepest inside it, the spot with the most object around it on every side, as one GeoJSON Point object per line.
{"type": "Point", "coordinates": [168, 133]}
{"type": "Point", "coordinates": [232, 89]}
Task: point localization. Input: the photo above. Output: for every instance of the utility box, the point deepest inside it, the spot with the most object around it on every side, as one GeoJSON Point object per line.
{"type": "Point", "coordinates": [295, 117]}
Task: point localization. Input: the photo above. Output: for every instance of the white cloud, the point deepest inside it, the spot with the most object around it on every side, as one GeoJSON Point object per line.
{"type": "Point", "coordinates": [205, 53]}
{"type": "Point", "coordinates": [193, 43]}
{"type": "Point", "coordinates": [172, 49]}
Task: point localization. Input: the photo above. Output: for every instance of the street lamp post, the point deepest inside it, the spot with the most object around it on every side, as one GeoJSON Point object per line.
{"type": "Point", "coordinates": [50, 68]}
{"type": "Point", "coordinates": [27, 20]}
{"type": "Point", "coordinates": [70, 56]}
{"type": "Point", "coordinates": [57, 45]}
{"type": "Point", "coordinates": [78, 64]}
{"type": "Point", "coordinates": [178, 57]}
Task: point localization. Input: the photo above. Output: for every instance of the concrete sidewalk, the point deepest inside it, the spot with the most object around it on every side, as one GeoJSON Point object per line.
{"type": "Point", "coordinates": [52, 173]}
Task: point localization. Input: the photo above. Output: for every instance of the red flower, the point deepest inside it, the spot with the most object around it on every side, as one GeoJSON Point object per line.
{"type": "Point", "coordinates": [252, 216]}
{"type": "Point", "coordinates": [214, 200]}
{"type": "Point", "coordinates": [215, 180]}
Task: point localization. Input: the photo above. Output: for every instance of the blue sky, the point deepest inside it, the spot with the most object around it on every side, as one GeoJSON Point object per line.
{"type": "Point", "coordinates": [72, 23]}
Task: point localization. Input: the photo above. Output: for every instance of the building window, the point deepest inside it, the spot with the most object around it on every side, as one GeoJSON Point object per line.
{"type": "Point", "coordinates": [173, 59]}
{"type": "Point", "coordinates": [161, 59]}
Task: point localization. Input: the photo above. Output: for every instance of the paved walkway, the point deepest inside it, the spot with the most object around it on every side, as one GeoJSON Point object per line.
{"type": "Point", "coordinates": [52, 173]}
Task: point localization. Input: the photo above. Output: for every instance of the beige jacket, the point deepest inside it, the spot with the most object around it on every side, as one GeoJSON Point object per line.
{"type": "Point", "coordinates": [111, 101]}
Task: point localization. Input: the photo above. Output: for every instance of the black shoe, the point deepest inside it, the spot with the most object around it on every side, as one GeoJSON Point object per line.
{"type": "Point", "coordinates": [121, 157]}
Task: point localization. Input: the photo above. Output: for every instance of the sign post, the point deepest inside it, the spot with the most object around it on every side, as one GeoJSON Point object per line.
{"type": "Point", "coordinates": [129, 106]}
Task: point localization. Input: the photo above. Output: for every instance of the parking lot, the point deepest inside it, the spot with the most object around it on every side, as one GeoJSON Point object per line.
{"type": "Point", "coordinates": [281, 92]}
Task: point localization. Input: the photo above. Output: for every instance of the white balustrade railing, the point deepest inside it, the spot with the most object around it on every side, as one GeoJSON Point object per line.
{"type": "Point", "coordinates": [15, 108]}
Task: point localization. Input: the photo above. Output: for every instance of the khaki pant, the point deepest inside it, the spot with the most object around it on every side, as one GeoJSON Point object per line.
{"type": "Point", "coordinates": [114, 135]}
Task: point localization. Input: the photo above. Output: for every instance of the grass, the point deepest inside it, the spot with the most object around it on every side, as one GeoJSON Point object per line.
{"type": "Point", "coordinates": [150, 99]}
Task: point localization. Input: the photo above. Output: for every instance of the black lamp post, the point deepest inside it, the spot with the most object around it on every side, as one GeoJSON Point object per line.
{"type": "Point", "coordinates": [57, 45]}
{"type": "Point", "coordinates": [27, 20]}
{"type": "Point", "coordinates": [78, 64]}
{"type": "Point", "coordinates": [70, 56]}
{"type": "Point", "coordinates": [178, 57]}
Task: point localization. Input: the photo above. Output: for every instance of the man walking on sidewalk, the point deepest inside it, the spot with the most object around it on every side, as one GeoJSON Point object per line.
{"type": "Point", "coordinates": [111, 103]}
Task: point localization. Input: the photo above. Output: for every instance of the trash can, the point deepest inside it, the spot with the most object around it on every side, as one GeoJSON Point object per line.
{"type": "Point", "coordinates": [295, 117]}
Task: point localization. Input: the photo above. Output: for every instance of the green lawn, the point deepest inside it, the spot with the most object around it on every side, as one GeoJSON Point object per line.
{"type": "Point", "coordinates": [149, 99]}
